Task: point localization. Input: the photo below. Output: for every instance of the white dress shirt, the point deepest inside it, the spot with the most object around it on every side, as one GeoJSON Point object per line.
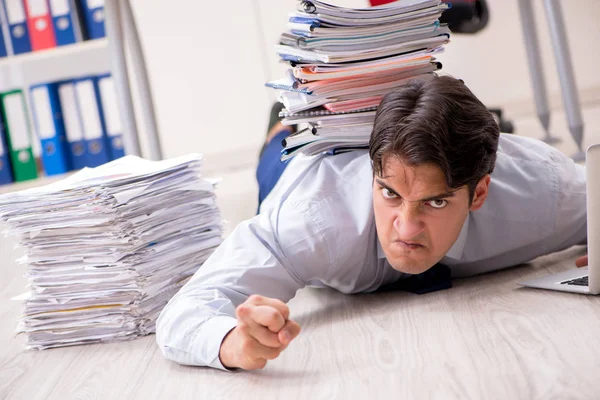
{"type": "Point", "coordinates": [317, 228]}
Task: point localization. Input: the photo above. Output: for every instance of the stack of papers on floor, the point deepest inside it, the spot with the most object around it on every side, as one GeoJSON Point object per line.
{"type": "Point", "coordinates": [107, 247]}
{"type": "Point", "coordinates": [343, 61]}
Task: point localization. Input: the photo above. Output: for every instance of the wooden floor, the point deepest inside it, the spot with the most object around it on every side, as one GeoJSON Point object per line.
{"type": "Point", "coordinates": [485, 338]}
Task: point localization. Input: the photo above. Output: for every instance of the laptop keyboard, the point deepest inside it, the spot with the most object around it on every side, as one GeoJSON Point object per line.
{"type": "Point", "coordinates": [583, 281]}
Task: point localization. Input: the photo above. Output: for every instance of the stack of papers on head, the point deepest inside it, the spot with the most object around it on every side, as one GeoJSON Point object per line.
{"type": "Point", "coordinates": [107, 247]}
{"type": "Point", "coordinates": [344, 61]}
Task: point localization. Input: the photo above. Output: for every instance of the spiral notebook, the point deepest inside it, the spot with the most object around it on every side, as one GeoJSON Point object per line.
{"type": "Point", "coordinates": [322, 111]}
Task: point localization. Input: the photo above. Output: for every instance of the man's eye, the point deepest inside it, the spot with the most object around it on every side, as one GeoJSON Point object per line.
{"type": "Point", "coordinates": [388, 194]}
{"type": "Point", "coordinates": [437, 204]}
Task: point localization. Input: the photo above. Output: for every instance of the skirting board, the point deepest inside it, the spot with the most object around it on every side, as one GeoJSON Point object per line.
{"type": "Point", "coordinates": [589, 96]}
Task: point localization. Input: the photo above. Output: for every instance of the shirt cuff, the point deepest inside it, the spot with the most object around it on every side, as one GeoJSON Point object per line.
{"type": "Point", "coordinates": [208, 341]}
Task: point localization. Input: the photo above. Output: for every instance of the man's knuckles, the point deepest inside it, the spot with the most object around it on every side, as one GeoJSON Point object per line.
{"type": "Point", "coordinates": [270, 317]}
{"type": "Point", "coordinates": [243, 311]}
{"type": "Point", "coordinates": [262, 315]}
{"type": "Point", "coordinates": [277, 304]}
{"type": "Point", "coordinates": [255, 299]}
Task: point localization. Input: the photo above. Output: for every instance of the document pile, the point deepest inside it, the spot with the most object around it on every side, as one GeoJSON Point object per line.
{"type": "Point", "coordinates": [343, 61]}
{"type": "Point", "coordinates": [107, 247]}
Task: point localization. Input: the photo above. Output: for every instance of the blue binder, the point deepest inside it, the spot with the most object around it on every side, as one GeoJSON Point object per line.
{"type": "Point", "coordinates": [14, 10]}
{"type": "Point", "coordinates": [50, 128]}
{"type": "Point", "coordinates": [94, 132]}
{"type": "Point", "coordinates": [93, 15]}
{"type": "Point", "coordinates": [6, 175]}
{"type": "Point", "coordinates": [72, 121]}
{"type": "Point", "coordinates": [66, 22]}
{"type": "Point", "coordinates": [111, 116]}
{"type": "Point", "coordinates": [3, 31]}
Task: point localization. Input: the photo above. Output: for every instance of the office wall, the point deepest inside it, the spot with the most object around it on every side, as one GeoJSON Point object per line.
{"type": "Point", "coordinates": [206, 68]}
{"type": "Point", "coordinates": [208, 61]}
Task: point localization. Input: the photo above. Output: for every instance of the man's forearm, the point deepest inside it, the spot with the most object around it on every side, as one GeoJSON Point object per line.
{"type": "Point", "coordinates": [191, 328]}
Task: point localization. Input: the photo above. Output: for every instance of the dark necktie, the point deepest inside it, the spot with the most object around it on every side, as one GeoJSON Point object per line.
{"type": "Point", "coordinates": [435, 278]}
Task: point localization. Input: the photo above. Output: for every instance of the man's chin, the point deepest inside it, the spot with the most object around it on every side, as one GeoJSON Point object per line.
{"type": "Point", "coordinates": [411, 270]}
{"type": "Point", "coordinates": [409, 265]}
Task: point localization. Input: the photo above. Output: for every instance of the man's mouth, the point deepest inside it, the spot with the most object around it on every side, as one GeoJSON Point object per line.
{"type": "Point", "coordinates": [408, 245]}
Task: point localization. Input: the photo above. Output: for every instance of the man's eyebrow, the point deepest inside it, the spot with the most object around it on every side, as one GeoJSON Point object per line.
{"type": "Point", "coordinates": [440, 196]}
{"type": "Point", "coordinates": [383, 184]}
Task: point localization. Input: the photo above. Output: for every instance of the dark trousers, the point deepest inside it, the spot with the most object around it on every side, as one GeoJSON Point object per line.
{"type": "Point", "coordinates": [270, 167]}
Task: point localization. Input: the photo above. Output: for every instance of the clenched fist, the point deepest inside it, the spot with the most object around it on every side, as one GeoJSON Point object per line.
{"type": "Point", "coordinates": [263, 331]}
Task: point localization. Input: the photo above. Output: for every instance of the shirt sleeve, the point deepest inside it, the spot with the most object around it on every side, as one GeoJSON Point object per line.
{"type": "Point", "coordinates": [273, 254]}
{"type": "Point", "coordinates": [571, 212]}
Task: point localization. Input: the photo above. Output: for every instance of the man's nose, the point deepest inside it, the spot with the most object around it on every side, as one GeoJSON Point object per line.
{"type": "Point", "coordinates": [408, 222]}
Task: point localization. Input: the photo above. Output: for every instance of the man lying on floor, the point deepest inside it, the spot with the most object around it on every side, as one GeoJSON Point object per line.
{"type": "Point", "coordinates": [438, 190]}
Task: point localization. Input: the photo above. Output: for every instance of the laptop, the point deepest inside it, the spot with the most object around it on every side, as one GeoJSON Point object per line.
{"type": "Point", "coordinates": [582, 280]}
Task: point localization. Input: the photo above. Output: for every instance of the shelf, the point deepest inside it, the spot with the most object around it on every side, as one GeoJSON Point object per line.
{"type": "Point", "coordinates": [86, 46]}
{"type": "Point", "coordinates": [65, 62]}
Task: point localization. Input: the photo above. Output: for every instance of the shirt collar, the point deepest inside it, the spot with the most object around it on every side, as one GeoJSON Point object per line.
{"type": "Point", "coordinates": [457, 249]}
{"type": "Point", "coordinates": [380, 253]}
{"type": "Point", "coordinates": [455, 252]}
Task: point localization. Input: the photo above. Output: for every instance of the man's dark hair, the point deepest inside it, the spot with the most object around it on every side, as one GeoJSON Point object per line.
{"type": "Point", "coordinates": [437, 121]}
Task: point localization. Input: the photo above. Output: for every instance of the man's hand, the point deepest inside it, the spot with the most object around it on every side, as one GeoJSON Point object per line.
{"type": "Point", "coordinates": [581, 262]}
{"type": "Point", "coordinates": [263, 331]}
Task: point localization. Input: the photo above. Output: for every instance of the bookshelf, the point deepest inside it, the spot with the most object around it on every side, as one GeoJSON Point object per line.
{"type": "Point", "coordinates": [92, 57]}
{"type": "Point", "coordinates": [21, 71]}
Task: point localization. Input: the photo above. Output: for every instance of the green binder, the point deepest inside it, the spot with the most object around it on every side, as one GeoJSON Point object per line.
{"type": "Point", "coordinates": [16, 121]}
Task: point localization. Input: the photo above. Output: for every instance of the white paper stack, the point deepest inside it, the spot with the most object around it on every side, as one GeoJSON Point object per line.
{"type": "Point", "coordinates": [344, 60]}
{"type": "Point", "coordinates": [109, 246]}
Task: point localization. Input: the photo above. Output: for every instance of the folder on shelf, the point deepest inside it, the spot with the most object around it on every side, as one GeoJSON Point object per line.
{"type": "Point", "coordinates": [72, 122]}
{"type": "Point", "coordinates": [39, 21]}
{"type": "Point", "coordinates": [93, 17]}
{"type": "Point", "coordinates": [66, 22]}
{"type": "Point", "coordinates": [16, 123]}
{"type": "Point", "coordinates": [16, 21]}
{"type": "Point", "coordinates": [94, 135]}
{"type": "Point", "coordinates": [6, 175]}
{"type": "Point", "coordinates": [4, 34]}
{"type": "Point", "coordinates": [50, 127]}
{"type": "Point", "coordinates": [112, 116]}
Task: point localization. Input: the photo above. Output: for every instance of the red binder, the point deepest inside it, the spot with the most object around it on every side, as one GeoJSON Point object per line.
{"type": "Point", "coordinates": [380, 2]}
{"type": "Point", "coordinates": [39, 22]}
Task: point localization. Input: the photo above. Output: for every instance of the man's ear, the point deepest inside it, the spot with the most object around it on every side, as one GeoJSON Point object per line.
{"type": "Point", "coordinates": [481, 193]}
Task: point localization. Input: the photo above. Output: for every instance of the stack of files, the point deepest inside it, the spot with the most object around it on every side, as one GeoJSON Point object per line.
{"type": "Point", "coordinates": [334, 139]}
{"type": "Point", "coordinates": [32, 25]}
{"type": "Point", "coordinates": [343, 61]}
{"type": "Point", "coordinates": [106, 248]}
